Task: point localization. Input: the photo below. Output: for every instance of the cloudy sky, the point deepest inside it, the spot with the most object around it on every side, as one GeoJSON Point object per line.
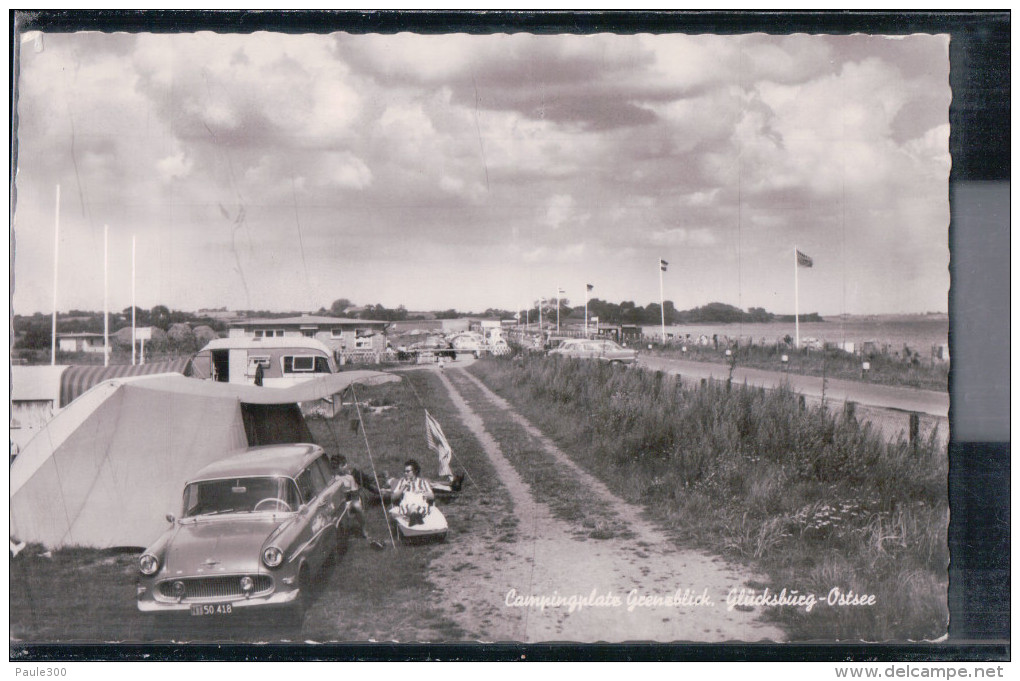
{"type": "Point", "coordinates": [269, 171]}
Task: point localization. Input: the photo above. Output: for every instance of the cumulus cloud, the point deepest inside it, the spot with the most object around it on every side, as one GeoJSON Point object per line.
{"type": "Point", "coordinates": [560, 210]}
{"type": "Point", "coordinates": [681, 236]}
{"type": "Point", "coordinates": [173, 167]}
{"type": "Point", "coordinates": [546, 254]}
{"type": "Point", "coordinates": [344, 169]}
{"type": "Point", "coordinates": [510, 147]}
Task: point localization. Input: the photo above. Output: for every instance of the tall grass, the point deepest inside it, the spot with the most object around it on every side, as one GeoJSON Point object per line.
{"type": "Point", "coordinates": [816, 499]}
{"type": "Point", "coordinates": [833, 363]}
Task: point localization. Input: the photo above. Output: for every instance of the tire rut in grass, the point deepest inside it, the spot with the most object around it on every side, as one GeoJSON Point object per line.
{"type": "Point", "coordinates": [552, 558]}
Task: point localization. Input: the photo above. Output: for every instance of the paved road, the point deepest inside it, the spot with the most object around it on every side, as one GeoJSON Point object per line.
{"type": "Point", "coordinates": [870, 394]}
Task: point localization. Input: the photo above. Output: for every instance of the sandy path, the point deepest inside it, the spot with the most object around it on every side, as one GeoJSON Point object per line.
{"type": "Point", "coordinates": [479, 580]}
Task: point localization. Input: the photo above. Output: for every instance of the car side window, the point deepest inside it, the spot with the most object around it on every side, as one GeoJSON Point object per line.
{"type": "Point", "coordinates": [324, 469]}
{"type": "Point", "coordinates": [311, 482]}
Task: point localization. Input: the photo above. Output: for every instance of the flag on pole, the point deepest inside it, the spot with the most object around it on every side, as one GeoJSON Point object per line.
{"type": "Point", "coordinates": [591, 286]}
{"type": "Point", "coordinates": [438, 443]}
{"type": "Point", "coordinates": [804, 261]}
{"type": "Point", "coordinates": [663, 265]}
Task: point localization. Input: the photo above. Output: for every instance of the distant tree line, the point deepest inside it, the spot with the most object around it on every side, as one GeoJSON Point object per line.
{"type": "Point", "coordinates": [180, 331]}
{"type": "Point", "coordinates": [173, 330]}
{"type": "Point", "coordinates": [628, 312]}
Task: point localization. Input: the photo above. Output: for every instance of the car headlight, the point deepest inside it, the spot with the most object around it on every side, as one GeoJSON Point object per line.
{"type": "Point", "coordinates": [148, 564]}
{"type": "Point", "coordinates": [272, 557]}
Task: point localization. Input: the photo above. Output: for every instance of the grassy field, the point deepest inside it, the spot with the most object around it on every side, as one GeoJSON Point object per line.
{"type": "Point", "coordinates": [549, 480]}
{"type": "Point", "coordinates": [836, 364]}
{"type": "Point", "coordinates": [88, 595]}
{"type": "Point", "coordinates": [816, 500]}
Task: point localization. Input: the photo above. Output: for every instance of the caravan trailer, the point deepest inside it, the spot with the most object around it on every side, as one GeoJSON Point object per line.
{"type": "Point", "coordinates": [285, 360]}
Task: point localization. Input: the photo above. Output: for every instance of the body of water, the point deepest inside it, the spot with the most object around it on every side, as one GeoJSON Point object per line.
{"type": "Point", "coordinates": [916, 331]}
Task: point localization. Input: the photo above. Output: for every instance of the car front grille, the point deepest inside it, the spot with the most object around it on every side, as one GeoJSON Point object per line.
{"type": "Point", "coordinates": [197, 588]}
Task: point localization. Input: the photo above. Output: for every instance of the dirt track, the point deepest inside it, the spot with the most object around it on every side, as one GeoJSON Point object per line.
{"type": "Point", "coordinates": [481, 584]}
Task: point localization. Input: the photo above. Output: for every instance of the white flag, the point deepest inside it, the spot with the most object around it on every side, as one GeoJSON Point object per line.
{"type": "Point", "coordinates": [438, 443]}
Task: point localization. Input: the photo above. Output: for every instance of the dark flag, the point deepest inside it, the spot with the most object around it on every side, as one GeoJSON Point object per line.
{"type": "Point", "coordinates": [591, 286]}
{"type": "Point", "coordinates": [804, 261]}
{"type": "Point", "coordinates": [663, 264]}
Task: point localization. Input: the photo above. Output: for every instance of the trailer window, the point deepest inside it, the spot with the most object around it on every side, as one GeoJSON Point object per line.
{"type": "Point", "coordinates": [298, 364]}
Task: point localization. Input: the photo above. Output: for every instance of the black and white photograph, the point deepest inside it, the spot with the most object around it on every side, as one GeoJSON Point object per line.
{"type": "Point", "coordinates": [355, 337]}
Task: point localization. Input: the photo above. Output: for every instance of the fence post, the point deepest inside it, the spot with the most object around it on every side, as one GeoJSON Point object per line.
{"type": "Point", "coordinates": [801, 402]}
{"type": "Point", "coordinates": [915, 427]}
{"type": "Point", "coordinates": [850, 411]}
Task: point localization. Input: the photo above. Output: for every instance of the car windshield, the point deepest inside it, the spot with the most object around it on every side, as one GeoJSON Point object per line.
{"type": "Point", "coordinates": [240, 495]}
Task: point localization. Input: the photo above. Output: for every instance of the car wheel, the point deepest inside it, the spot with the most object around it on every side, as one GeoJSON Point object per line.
{"type": "Point", "coordinates": [296, 616]}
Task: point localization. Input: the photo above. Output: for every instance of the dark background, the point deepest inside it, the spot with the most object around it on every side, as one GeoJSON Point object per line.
{"type": "Point", "coordinates": [979, 531]}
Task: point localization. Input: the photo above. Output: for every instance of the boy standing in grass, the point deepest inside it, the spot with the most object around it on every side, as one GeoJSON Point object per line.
{"type": "Point", "coordinates": [349, 479]}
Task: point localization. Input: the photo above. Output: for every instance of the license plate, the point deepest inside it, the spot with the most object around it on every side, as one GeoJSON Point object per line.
{"type": "Point", "coordinates": [219, 609]}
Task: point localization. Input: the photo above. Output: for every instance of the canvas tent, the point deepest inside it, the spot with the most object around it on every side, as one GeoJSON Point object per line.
{"type": "Point", "coordinates": [77, 379]}
{"type": "Point", "coordinates": [107, 468]}
{"type": "Point", "coordinates": [39, 392]}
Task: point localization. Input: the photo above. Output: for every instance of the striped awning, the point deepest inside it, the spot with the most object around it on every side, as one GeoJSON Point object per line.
{"type": "Point", "coordinates": [77, 379]}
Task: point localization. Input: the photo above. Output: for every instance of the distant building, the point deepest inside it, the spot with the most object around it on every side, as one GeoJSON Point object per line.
{"type": "Point", "coordinates": [339, 334]}
{"type": "Point", "coordinates": [221, 314]}
{"type": "Point", "coordinates": [429, 325]}
{"type": "Point", "coordinates": [80, 342]}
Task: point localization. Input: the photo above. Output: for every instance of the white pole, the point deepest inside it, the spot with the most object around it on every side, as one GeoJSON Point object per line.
{"type": "Point", "coordinates": [796, 298]}
{"type": "Point", "coordinates": [56, 262]}
{"type": "Point", "coordinates": [540, 301]}
{"type": "Point", "coordinates": [132, 300]}
{"type": "Point", "coordinates": [586, 310]}
{"type": "Point", "coordinates": [559, 292]}
{"type": "Point", "coordinates": [662, 308]}
{"type": "Point", "coordinates": [106, 295]}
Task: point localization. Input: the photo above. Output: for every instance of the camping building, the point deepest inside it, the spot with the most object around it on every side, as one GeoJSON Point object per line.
{"type": "Point", "coordinates": [344, 336]}
{"type": "Point", "coordinates": [80, 342]}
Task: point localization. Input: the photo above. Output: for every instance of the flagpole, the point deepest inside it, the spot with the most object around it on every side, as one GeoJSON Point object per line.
{"type": "Point", "coordinates": [106, 295]}
{"type": "Point", "coordinates": [56, 262]}
{"type": "Point", "coordinates": [586, 310]}
{"type": "Point", "coordinates": [662, 308]}
{"type": "Point", "coordinates": [559, 292]}
{"type": "Point", "coordinates": [540, 301]}
{"type": "Point", "coordinates": [796, 298]}
{"type": "Point", "coordinates": [132, 300]}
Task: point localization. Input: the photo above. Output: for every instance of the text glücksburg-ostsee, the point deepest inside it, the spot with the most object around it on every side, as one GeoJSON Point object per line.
{"type": "Point", "coordinates": [684, 598]}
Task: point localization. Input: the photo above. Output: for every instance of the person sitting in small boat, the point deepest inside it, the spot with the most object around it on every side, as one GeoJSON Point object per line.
{"type": "Point", "coordinates": [412, 494]}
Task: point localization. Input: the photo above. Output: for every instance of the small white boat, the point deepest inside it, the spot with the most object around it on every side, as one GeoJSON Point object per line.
{"type": "Point", "coordinates": [432, 526]}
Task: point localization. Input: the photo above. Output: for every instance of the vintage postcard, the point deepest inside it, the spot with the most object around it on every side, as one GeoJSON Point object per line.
{"type": "Point", "coordinates": [360, 337]}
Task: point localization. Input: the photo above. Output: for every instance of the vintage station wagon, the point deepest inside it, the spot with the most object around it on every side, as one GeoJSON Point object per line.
{"type": "Point", "coordinates": [254, 530]}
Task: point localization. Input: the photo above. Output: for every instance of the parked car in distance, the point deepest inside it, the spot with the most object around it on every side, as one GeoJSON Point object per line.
{"type": "Point", "coordinates": [600, 349]}
{"type": "Point", "coordinates": [254, 529]}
